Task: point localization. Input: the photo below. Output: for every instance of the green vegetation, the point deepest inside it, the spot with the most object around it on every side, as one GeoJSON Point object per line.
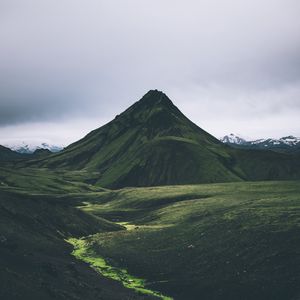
{"type": "Point", "coordinates": [82, 250]}
{"type": "Point", "coordinates": [152, 143]}
{"type": "Point", "coordinates": [217, 241]}
{"type": "Point", "coordinates": [232, 240]}
{"type": "Point", "coordinates": [41, 180]}
{"type": "Point", "coordinates": [221, 241]}
{"type": "Point", "coordinates": [8, 155]}
{"type": "Point", "coordinates": [36, 262]}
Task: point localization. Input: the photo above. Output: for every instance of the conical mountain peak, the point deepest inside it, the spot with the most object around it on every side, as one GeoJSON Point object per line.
{"type": "Point", "coordinates": [152, 99]}
{"type": "Point", "coordinates": [150, 143]}
{"type": "Point", "coordinates": [153, 143]}
{"type": "Point", "coordinates": [155, 97]}
{"type": "Point", "coordinates": [152, 103]}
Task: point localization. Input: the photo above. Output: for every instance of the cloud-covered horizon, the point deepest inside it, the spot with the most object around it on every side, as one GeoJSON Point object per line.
{"type": "Point", "coordinates": [231, 66]}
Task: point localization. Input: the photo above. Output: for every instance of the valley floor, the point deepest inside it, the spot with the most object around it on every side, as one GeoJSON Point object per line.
{"type": "Point", "coordinates": [214, 241]}
{"type": "Point", "coordinates": [209, 241]}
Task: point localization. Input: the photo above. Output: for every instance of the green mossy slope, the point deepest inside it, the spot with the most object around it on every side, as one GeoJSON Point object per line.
{"type": "Point", "coordinates": [153, 143]}
{"type": "Point", "coordinates": [218, 241]}
{"type": "Point", "coordinates": [35, 260]}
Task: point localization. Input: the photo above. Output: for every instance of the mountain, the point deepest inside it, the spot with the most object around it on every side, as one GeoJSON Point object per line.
{"type": "Point", "coordinates": [284, 144]}
{"type": "Point", "coordinates": [40, 152]}
{"type": "Point", "coordinates": [236, 240]}
{"type": "Point", "coordinates": [7, 154]}
{"type": "Point", "coordinates": [153, 143]}
{"type": "Point", "coordinates": [29, 146]}
{"type": "Point", "coordinates": [233, 139]}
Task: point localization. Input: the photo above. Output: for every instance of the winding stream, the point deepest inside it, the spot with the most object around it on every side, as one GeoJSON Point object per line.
{"type": "Point", "coordinates": [83, 252]}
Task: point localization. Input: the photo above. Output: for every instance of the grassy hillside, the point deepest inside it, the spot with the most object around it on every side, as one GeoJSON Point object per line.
{"type": "Point", "coordinates": [153, 143]}
{"type": "Point", "coordinates": [213, 241]}
{"type": "Point", "coordinates": [35, 259]}
{"type": "Point", "coordinates": [7, 155]}
{"type": "Point", "coordinates": [265, 165]}
{"type": "Point", "coordinates": [216, 241]}
{"type": "Point", "coordinates": [37, 214]}
{"type": "Point", "coordinates": [42, 180]}
{"type": "Point", "coordinates": [220, 241]}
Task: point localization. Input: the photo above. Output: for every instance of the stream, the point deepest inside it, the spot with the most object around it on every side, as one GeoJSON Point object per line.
{"type": "Point", "coordinates": [83, 252]}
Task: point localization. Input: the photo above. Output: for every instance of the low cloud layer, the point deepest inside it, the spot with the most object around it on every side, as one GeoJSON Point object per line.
{"type": "Point", "coordinates": [229, 65]}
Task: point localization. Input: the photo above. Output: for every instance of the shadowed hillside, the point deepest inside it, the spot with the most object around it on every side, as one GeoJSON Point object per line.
{"type": "Point", "coordinates": [35, 260]}
{"type": "Point", "coordinates": [7, 155]}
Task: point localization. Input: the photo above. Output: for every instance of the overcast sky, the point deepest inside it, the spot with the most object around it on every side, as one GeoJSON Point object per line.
{"type": "Point", "coordinates": [69, 66]}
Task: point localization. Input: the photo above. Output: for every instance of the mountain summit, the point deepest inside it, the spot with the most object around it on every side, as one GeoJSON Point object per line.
{"type": "Point", "coordinates": [151, 104]}
{"type": "Point", "coordinates": [154, 97]}
{"type": "Point", "coordinates": [155, 115]}
{"type": "Point", "coordinates": [154, 109]}
{"type": "Point", "coordinates": [154, 143]}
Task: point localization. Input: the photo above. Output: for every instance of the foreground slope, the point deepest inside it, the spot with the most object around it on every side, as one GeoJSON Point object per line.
{"type": "Point", "coordinates": [35, 259]}
{"type": "Point", "coordinates": [153, 143]}
{"type": "Point", "coordinates": [218, 241]}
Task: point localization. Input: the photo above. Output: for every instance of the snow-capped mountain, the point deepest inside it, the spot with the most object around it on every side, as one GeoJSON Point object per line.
{"type": "Point", "coordinates": [288, 143]}
{"type": "Point", "coordinates": [290, 140]}
{"type": "Point", "coordinates": [233, 139]}
{"type": "Point", "coordinates": [29, 146]}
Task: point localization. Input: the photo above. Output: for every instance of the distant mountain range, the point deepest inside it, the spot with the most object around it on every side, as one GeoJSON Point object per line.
{"type": "Point", "coordinates": [30, 146]}
{"type": "Point", "coordinates": [6, 154]}
{"type": "Point", "coordinates": [284, 144]}
{"type": "Point", "coordinates": [287, 143]}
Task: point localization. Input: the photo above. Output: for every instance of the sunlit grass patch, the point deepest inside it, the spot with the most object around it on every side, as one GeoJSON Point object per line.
{"type": "Point", "coordinates": [83, 252]}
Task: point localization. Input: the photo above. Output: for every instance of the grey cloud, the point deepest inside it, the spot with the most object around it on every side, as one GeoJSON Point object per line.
{"type": "Point", "coordinates": [62, 60]}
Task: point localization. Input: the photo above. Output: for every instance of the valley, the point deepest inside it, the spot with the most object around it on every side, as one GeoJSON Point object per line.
{"type": "Point", "coordinates": [216, 241]}
{"type": "Point", "coordinates": [150, 206]}
{"type": "Point", "coordinates": [220, 241]}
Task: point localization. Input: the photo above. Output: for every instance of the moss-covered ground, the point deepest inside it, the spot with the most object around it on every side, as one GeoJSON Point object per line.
{"type": "Point", "coordinates": [84, 251]}
{"type": "Point", "coordinates": [208, 241]}
{"type": "Point", "coordinates": [214, 241]}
